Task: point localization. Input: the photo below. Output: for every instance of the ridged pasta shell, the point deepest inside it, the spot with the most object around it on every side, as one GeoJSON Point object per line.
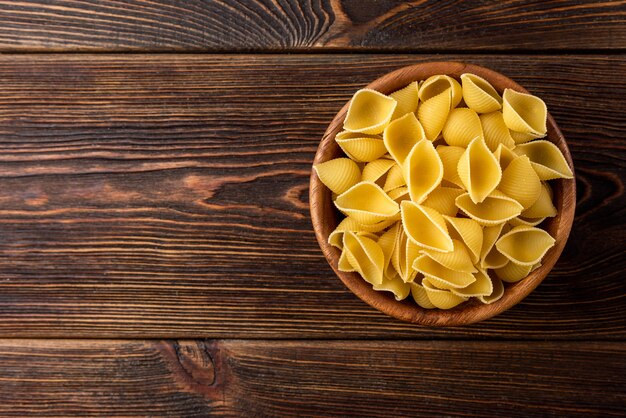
{"type": "Point", "coordinates": [425, 226]}
{"type": "Point", "coordinates": [366, 256]}
{"type": "Point", "coordinates": [498, 292]}
{"type": "Point", "coordinates": [407, 99]}
{"type": "Point", "coordinates": [525, 245]}
{"type": "Point", "coordinates": [483, 286]}
{"type": "Point", "coordinates": [405, 252]}
{"type": "Point", "coordinates": [461, 127]}
{"type": "Point", "coordinates": [395, 179]}
{"type": "Point", "coordinates": [336, 237]}
{"type": "Point", "coordinates": [512, 272]}
{"type": "Point", "coordinates": [422, 170]}
{"type": "Point", "coordinates": [344, 264]}
{"type": "Point", "coordinates": [450, 157]}
{"type": "Point", "coordinates": [369, 112]}
{"type": "Point", "coordinates": [420, 297]}
{"type": "Point", "coordinates": [495, 209]}
{"type": "Point", "coordinates": [380, 225]}
{"type": "Point", "coordinates": [442, 199]}
{"type": "Point", "coordinates": [520, 182]}
{"type": "Point", "coordinates": [504, 155]}
{"type": "Point", "coordinates": [526, 221]}
{"type": "Point", "coordinates": [361, 147]}
{"type": "Point", "coordinates": [367, 203]}
{"type": "Point", "coordinates": [543, 207]}
{"type": "Point", "coordinates": [399, 194]}
{"type": "Point", "coordinates": [396, 286]}
{"type": "Point", "coordinates": [442, 299]}
{"type": "Point", "coordinates": [479, 95]}
{"type": "Point", "coordinates": [376, 170]}
{"type": "Point", "coordinates": [338, 174]}
{"type": "Point", "coordinates": [387, 243]}
{"type": "Point", "coordinates": [490, 257]}
{"type": "Point", "coordinates": [433, 113]}
{"type": "Point", "coordinates": [437, 84]}
{"type": "Point", "coordinates": [479, 170]}
{"type": "Point", "coordinates": [521, 137]}
{"type": "Point", "coordinates": [469, 232]}
{"type": "Point", "coordinates": [441, 276]}
{"type": "Point", "coordinates": [524, 113]}
{"type": "Point", "coordinates": [546, 158]}
{"type": "Point", "coordinates": [495, 131]}
{"type": "Point", "coordinates": [458, 259]}
{"type": "Point", "coordinates": [401, 135]}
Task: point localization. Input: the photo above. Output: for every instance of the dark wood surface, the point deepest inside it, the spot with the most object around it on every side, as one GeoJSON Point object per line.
{"type": "Point", "coordinates": [156, 252]}
{"type": "Point", "coordinates": [253, 25]}
{"type": "Point", "coordinates": [311, 378]}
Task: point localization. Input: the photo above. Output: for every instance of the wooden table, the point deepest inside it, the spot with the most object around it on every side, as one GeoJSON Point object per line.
{"type": "Point", "coordinates": [156, 251]}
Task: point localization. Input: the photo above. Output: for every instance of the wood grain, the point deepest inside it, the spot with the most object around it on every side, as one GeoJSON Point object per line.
{"type": "Point", "coordinates": [166, 196]}
{"type": "Point", "coordinates": [197, 25]}
{"type": "Point", "coordinates": [311, 378]}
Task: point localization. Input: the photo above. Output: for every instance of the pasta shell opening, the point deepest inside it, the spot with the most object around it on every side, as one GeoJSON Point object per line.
{"type": "Point", "coordinates": [547, 160]}
{"type": "Point", "coordinates": [437, 84]}
{"type": "Point", "coordinates": [525, 245]}
{"type": "Point", "coordinates": [512, 273]}
{"type": "Point", "coordinates": [369, 112]}
{"type": "Point", "coordinates": [482, 286]}
{"type": "Point", "coordinates": [366, 256]}
{"type": "Point", "coordinates": [524, 113]}
{"type": "Point", "coordinates": [498, 292]}
{"type": "Point", "coordinates": [425, 226]}
{"type": "Point", "coordinates": [396, 286]}
{"type": "Point", "coordinates": [458, 259]}
{"type": "Point", "coordinates": [479, 170]}
{"type": "Point", "coordinates": [422, 170]}
{"type": "Point", "coordinates": [469, 232]}
{"type": "Point", "coordinates": [450, 157]}
{"type": "Point", "coordinates": [495, 209]}
{"type": "Point", "coordinates": [367, 203]}
{"type": "Point", "coordinates": [401, 136]}
{"type": "Point", "coordinates": [479, 95]}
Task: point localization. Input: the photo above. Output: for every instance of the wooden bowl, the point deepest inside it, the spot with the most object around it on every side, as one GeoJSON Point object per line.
{"type": "Point", "coordinates": [325, 216]}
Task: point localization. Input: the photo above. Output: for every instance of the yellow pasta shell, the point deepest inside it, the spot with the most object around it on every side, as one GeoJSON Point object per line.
{"type": "Point", "coordinates": [375, 170]}
{"type": "Point", "coordinates": [479, 170]}
{"type": "Point", "coordinates": [543, 207]}
{"type": "Point", "coordinates": [369, 112]}
{"type": "Point", "coordinates": [441, 276]}
{"type": "Point", "coordinates": [482, 286]}
{"type": "Point", "coordinates": [442, 299]}
{"type": "Point", "coordinates": [458, 259]}
{"type": "Point", "coordinates": [399, 194]}
{"type": "Point", "coordinates": [437, 84]}
{"type": "Point", "coordinates": [479, 95]}
{"type": "Point", "coordinates": [343, 263]}
{"type": "Point", "coordinates": [366, 256]}
{"type": "Point", "coordinates": [504, 156]}
{"type": "Point", "coordinates": [338, 174]}
{"type": "Point", "coordinates": [380, 225]}
{"type": "Point", "coordinates": [363, 149]}
{"type": "Point", "coordinates": [546, 158]}
{"type": "Point", "coordinates": [396, 286]}
{"type": "Point", "coordinates": [422, 170]}
{"type": "Point", "coordinates": [450, 157]}
{"type": "Point", "coordinates": [524, 113]}
{"type": "Point", "coordinates": [433, 114]}
{"type": "Point", "coordinates": [336, 237]}
{"type": "Point", "coordinates": [490, 257]}
{"type": "Point", "coordinates": [407, 99]}
{"type": "Point", "coordinates": [420, 296]}
{"type": "Point", "coordinates": [425, 226]}
{"type": "Point", "coordinates": [442, 199]}
{"type": "Point", "coordinates": [495, 131]}
{"type": "Point", "coordinates": [495, 209]}
{"type": "Point", "coordinates": [461, 127]}
{"type": "Point", "coordinates": [405, 252]}
{"type": "Point", "coordinates": [401, 135]}
{"type": "Point", "coordinates": [367, 203]}
{"type": "Point", "coordinates": [512, 272]}
{"type": "Point", "coordinates": [469, 232]}
{"type": "Point", "coordinates": [387, 243]}
{"type": "Point", "coordinates": [498, 292]}
{"type": "Point", "coordinates": [525, 245]}
{"type": "Point", "coordinates": [521, 137]}
{"type": "Point", "coordinates": [526, 221]}
{"type": "Point", "coordinates": [394, 179]}
{"type": "Point", "coordinates": [520, 182]}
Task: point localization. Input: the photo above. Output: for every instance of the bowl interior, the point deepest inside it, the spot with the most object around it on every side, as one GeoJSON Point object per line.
{"type": "Point", "coordinates": [325, 216]}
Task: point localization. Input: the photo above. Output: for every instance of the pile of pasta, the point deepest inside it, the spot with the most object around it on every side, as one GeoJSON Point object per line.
{"type": "Point", "coordinates": [443, 187]}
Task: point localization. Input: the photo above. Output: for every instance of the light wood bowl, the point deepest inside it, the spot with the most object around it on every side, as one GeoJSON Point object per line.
{"type": "Point", "coordinates": [325, 216]}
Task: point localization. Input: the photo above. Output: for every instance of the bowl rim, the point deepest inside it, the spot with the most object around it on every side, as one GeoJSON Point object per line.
{"type": "Point", "coordinates": [468, 312]}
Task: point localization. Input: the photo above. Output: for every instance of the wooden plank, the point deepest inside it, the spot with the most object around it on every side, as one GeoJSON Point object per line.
{"type": "Point", "coordinates": [166, 196]}
{"type": "Point", "coordinates": [306, 378]}
{"type": "Point", "coordinates": [176, 25]}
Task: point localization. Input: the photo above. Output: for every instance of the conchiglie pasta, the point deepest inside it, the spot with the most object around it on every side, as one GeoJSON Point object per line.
{"type": "Point", "coordinates": [479, 95]}
{"type": "Point", "coordinates": [524, 113]}
{"type": "Point", "coordinates": [401, 135]}
{"type": "Point", "coordinates": [458, 259]}
{"type": "Point", "coordinates": [469, 232]}
{"type": "Point", "coordinates": [490, 257]}
{"type": "Point", "coordinates": [504, 155]}
{"type": "Point", "coordinates": [441, 276]}
{"type": "Point", "coordinates": [479, 170]}
{"type": "Point", "coordinates": [420, 296]}
{"type": "Point", "coordinates": [426, 227]}
{"type": "Point", "coordinates": [437, 84]}
{"type": "Point", "coordinates": [461, 127]}
{"type": "Point", "coordinates": [547, 160]}
{"type": "Point", "coordinates": [482, 286]}
{"type": "Point", "coordinates": [376, 170]}
{"type": "Point", "coordinates": [422, 170]}
{"type": "Point", "coordinates": [369, 112]}
{"type": "Point", "coordinates": [495, 131]}
{"type": "Point", "coordinates": [395, 179]}
{"type": "Point", "coordinates": [395, 285]}
{"type": "Point", "coordinates": [525, 245]}
{"type": "Point", "coordinates": [520, 182]}
{"type": "Point", "coordinates": [543, 206]}
{"type": "Point", "coordinates": [367, 203]}
{"type": "Point", "coordinates": [496, 294]}
{"type": "Point", "coordinates": [512, 272]}
{"type": "Point", "coordinates": [442, 199]}
{"type": "Point", "coordinates": [433, 114]}
{"type": "Point", "coordinates": [442, 299]}
{"type": "Point", "coordinates": [495, 209]}
{"type": "Point", "coordinates": [366, 256]}
{"type": "Point", "coordinates": [407, 99]}
{"type": "Point", "coordinates": [361, 147]}
{"type": "Point", "coordinates": [450, 157]}
{"type": "Point", "coordinates": [339, 174]}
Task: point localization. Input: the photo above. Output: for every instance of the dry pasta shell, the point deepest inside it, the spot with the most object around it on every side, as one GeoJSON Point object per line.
{"type": "Point", "coordinates": [512, 272]}
{"type": "Point", "coordinates": [504, 155]}
{"type": "Point", "coordinates": [450, 157]}
{"type": "Point", "coordinates": [433, 114]}
{"type": "Point", "coordinates": [543, 207]}
{"type": "Point", "coordinates": [420, 297]}
{"type": "Point", "coordinates": [479, 170]}
{"type": "Point", "coordinates": [366, 256]}
{"type": "Point", "coordinates": [394, 179]}
{"type": "Point", "coordinates": [490, 257]}
{"type": "Point", "coordinates": [405, 252]}
{"type": "Point", "coordinates": [425, 226]}
{"type": "Point", "coordinates": [387, 243]}
{"type": "Point", "coordinates": [395, 285]}
{"type": "Point", "coordinates": [379, 226]}
{"type": "Point", "coordinates": [525, 245]}
{"type": "Point", "coordinates": [461, 127]}
{"type": "Point", "coordinates": [526, 221]}
{"type": "Point", "coordinates": [399, 194]}
{"type": "Point", "coordinates": [546, 158]}
{"type": "Point", "coordinates": [520, 182]}
{"type": "Point", "coordinates": [376, 170]}
{"type": "Point", "coordinates": [442, 199]}
{"type": "Point", "coordinates": [401, 135]}
{"type": "Point", "coordinates": [458, 259]}
{"type": "Point", "coordinates": [442, 299]}
{"type": "Point", "coordinates": [495, 131]}
{"type": "Point", "coordinates": [343, 263]}
{"type": "Point", "coordinates": [437, 84]}
{"type": "Point", "coordinates": [338, 174]}
{"type": "Point", "coordinates": [521, 137]}
{"type": "Point", "coordinates": [469, 232]}
{"type": "Point", "coordinates": [498, 292]}
{"type": "Point", "coordinates": [361, 147]}
{"type": "Point", "coordinates": [407, 99]}
{"type": "Point", "coordinates": [369, 112]}
{"type": "Point", "coordinates": [482, 286]}
{"type": "Point", "coordinates": [367, 203]}
{"type": "Point", "coordinates": [336, 237]}
{"type": "Point", "coordinates": [479, 95]}
{"type": "Point", "coordinates": [524, 113]}
{"type": "Point", "coordinates": [441, 276]}
{"type": "Point", "coordinates": [422, 170]}
{"type": "Point", "coordinates": [495, 209]}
